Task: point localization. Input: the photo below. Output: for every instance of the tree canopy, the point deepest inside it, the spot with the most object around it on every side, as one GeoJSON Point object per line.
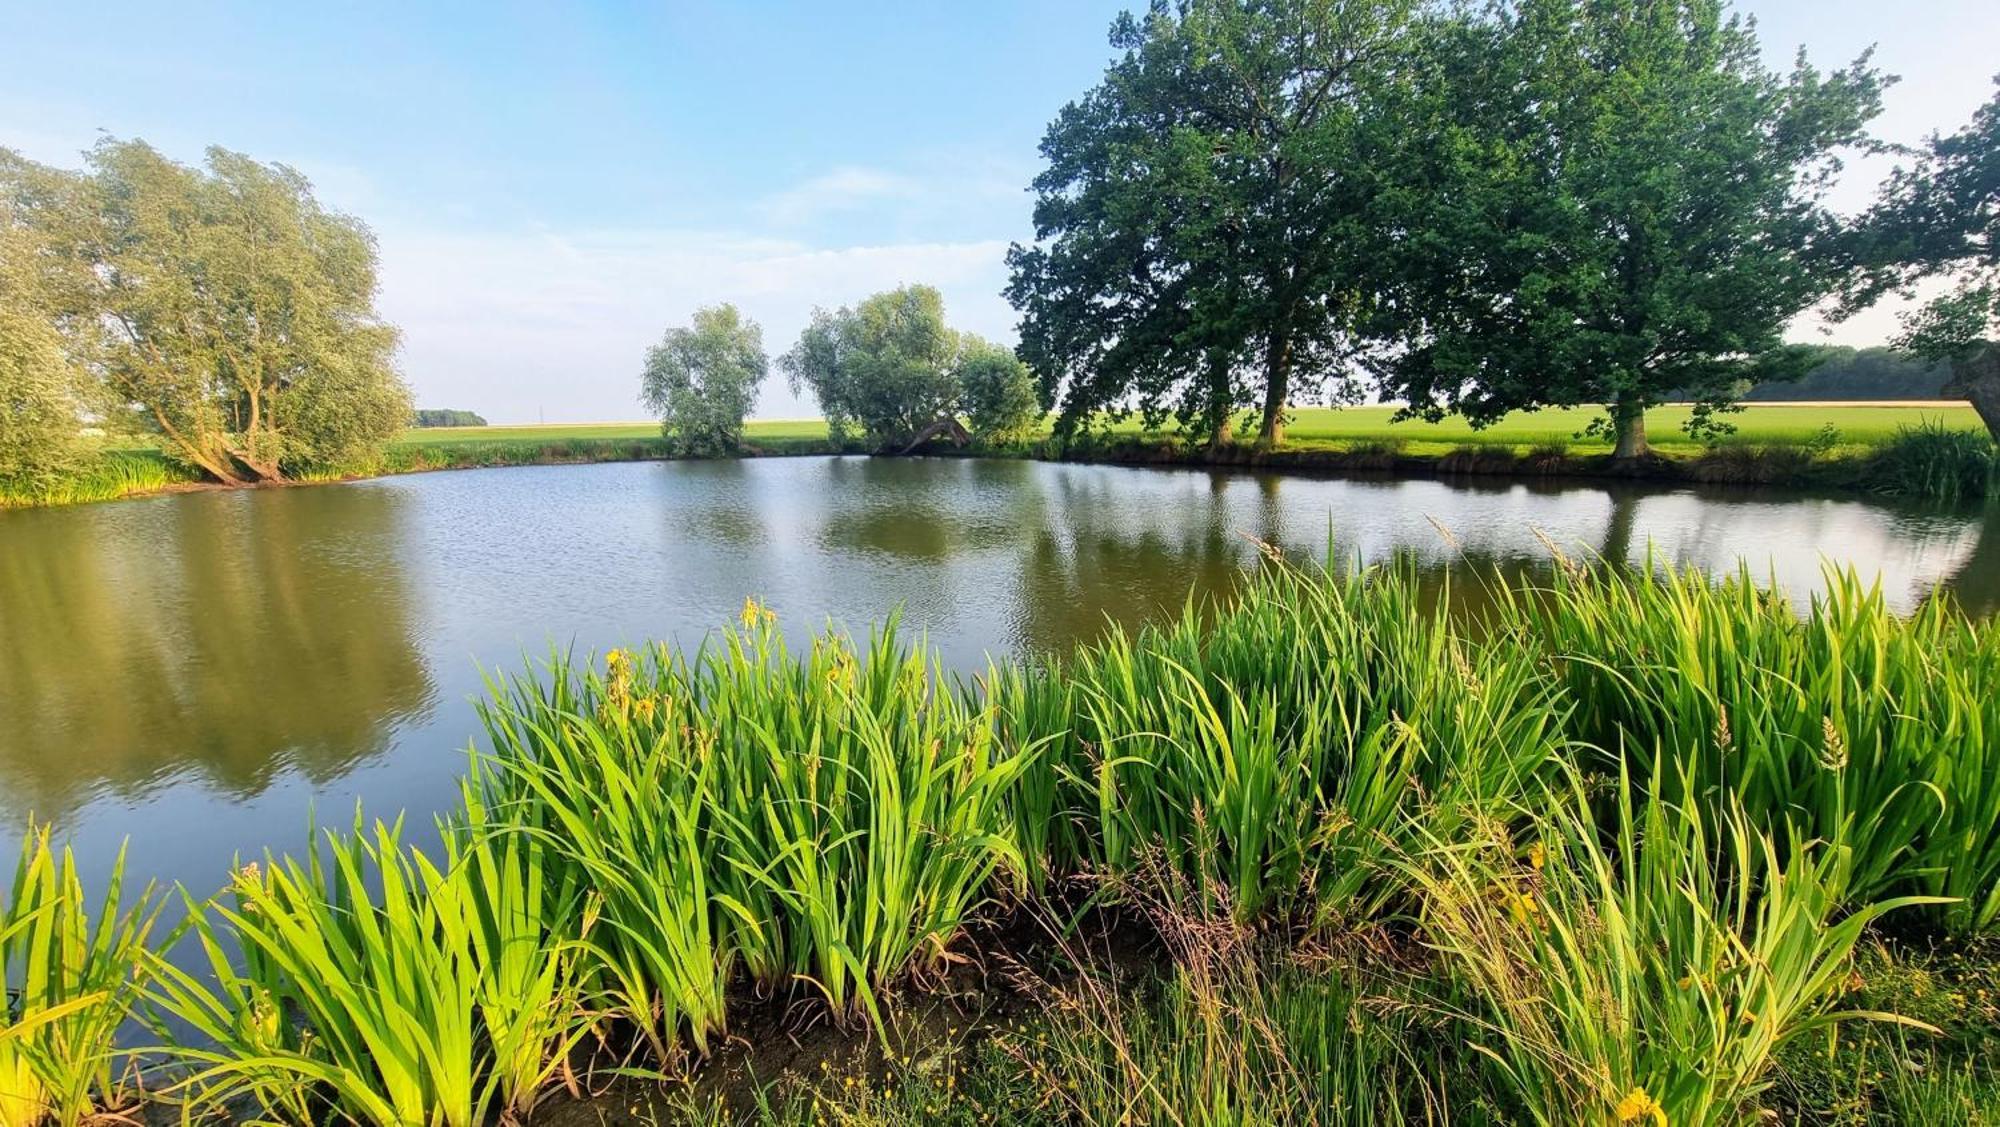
{"type": "Point", "coordinates": [441, 417]}
{"type": "Point", "coordinates": [1609, 201]}
{"type": "Point", "coordinates": [223, 308]}
{"type": "Point", "coordinates": [996, 391]}
{"type": "Point", "coordinates": [1544, 202]}
{"type": "Point", "coordinates": [1940, 217]}
{"type": "Point", "coordinates": [44, 393]}
{"type": "Point", "coordinates": [888, 366]}
{"type": "Point", "coordinates": [702, 380]}
{"type": "Point", "coordinates": [1198, 223]}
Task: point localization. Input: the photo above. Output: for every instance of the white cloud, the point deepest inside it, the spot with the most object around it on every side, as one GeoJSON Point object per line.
{"type": "Point", "coordinates": [843, 189]}
{"type": "Point", "coordinates": [552, 324]}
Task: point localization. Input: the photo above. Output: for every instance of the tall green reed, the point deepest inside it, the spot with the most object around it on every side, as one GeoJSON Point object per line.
{"type": "Point", "coordinates": [1278, 748]}
{"type": "Point", "coordinates": [376, 987]}
{"type": "Point", "coordinates": [1641, 966]}
{"type": "Point", "coordinates": [831, 819]}
{"type": "Point", "coordinates": [1849, 721]}
{"type": "Point", "coordinates": [72, 978]}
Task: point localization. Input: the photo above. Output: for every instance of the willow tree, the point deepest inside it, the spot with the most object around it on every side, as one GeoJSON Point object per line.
{"type": "Point", "coordinates": [231, 312]}
{"type": "Point", "coordinates": [1940, 218]}
{"type": "Point", "coordinates": [702, 380]}
{"type": "Point", "coordinates": [1608, 202]}
{"type": "Point", "coordinates": [887, 365]}
{"type": "Point", "coordinates": [45, 393]}
{"type": "Point", "coordinates": [1197, 224]}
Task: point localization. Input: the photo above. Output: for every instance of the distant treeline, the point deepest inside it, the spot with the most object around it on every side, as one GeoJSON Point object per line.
{"type": "Point", "coordinates": [448, 419]}
{"type": "Point", "coordinates": [1863, 373]}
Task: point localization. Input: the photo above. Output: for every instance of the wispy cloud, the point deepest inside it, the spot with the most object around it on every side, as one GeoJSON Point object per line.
{"type": "Point", "coordinates": [846, 188]}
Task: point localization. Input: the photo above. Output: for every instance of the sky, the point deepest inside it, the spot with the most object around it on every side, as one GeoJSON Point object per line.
{"type": "Point", "coordinates": [553, 186]}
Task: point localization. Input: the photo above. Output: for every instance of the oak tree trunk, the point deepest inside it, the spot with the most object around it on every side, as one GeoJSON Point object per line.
{"type": "Point", "coordinates": [1977, 377]}
{"type": "Point", "coordinates": [1628, 419]}
{"type": "Point", "coordinates": [1277, 381]}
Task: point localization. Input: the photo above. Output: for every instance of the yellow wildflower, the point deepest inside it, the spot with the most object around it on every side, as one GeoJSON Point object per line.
{"type": "Point", "coordinates": [1638, 1105]}
{"type": "Point", "coordinates": [755, 612]}
{"type": "Point", "coordinates": [1537, 856]}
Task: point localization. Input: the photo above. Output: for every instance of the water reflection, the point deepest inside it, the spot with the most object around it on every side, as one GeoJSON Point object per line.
{"type": "Point", "coordinates": [216, 639]}
{"type": "Point", "coordinates": [198, 672]}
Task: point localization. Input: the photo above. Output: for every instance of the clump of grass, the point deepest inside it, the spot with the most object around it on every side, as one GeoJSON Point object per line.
{"type": "Point", "coordinates": [105, 477]}
{"type": "Point", "coordinates": [1641, 966]}
{"type": "Point", "coordinates": [830, 820]}
{"type": "Point", "coordinates": [1938, 462]}
{"type": "Point", "coordinates": [379, 987]}
{"type": "Point", "coordinates": [1847, 722]}
{"type": "Point", "coordinates": [73, 977]}
{"type": "Point", "coordinates": [1275, 750]}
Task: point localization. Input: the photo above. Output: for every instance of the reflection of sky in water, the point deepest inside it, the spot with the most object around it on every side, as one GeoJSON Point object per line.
{"type": "Point", "coordinates": [198, 672]}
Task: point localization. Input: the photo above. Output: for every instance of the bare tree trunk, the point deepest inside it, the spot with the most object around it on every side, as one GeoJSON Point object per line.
{"type": "Point", "coordinates": [1277, 385]}
{"type": "Point", "coordinates": [1628, 419]}
{"type": "Point", "coordinates": [1219, 403]}
{"type": "Point", "coordinates": [1977, 377]}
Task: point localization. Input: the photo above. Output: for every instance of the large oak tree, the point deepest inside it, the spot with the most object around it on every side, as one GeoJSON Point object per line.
{"type": "Point", "coordinates": [1198, 223]}
{"type": "Point", "coordinates": [1608, 202]}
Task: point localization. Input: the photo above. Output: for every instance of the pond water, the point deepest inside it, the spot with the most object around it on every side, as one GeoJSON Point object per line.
{"type": "Point", "coordinates": [200, 673]}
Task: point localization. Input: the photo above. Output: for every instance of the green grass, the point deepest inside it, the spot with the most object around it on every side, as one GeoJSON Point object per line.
{"type": "Point", "coordinates": [1804, 443]}
{"type": "Point", "coordinates": [1605, 855]}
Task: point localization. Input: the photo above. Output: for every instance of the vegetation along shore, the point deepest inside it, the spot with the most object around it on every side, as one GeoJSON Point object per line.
{"type": "Point", "coordinates": [1625, 848]}
{"type": "Point", "coordinates": [1920, 449]}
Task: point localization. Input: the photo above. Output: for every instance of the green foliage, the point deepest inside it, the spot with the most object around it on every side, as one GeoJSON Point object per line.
{"type": "Point", "coordinates": [1660, 190]}
{"type": "Point", "coordinates": [997, 392]}
{"type": "Point", "coordinates": [1937, 217]}
{"type": "Point", "coordinates": [888, 366]}
{"type": "Point", "coordinates": [446, 418]}
{"type": "Point", "coordinates": [1641, 967]}
{"type": "Point", "coordinates": [1273, 753]}
{"type": "Point", "coordinates": [1199, 223]}
{"type": "Point", "coordinates": [381, 987]}
{"type": "Point", "coordinates": [226, 308]}
{"type": "Point", "coordinates": [1936, 461]}
{"type": "Point", "coordinates": [1847, 724]}
{"type": "Point", "coordinates": [72, 978]}
{"type": "Point", "coordinates": [830, 820]}
{"type": "Point", "coordinates": [703, 380]}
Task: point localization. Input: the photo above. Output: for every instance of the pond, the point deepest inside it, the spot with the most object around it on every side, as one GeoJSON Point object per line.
{"type": "Point", "coordinates": [200, 673]}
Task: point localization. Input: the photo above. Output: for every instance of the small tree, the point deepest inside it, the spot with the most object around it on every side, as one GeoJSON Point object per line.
{"type": "Point", "coordinates": [997, 390]}
{"type": "Point", "coordinates": [703, 380]}
{"type": "Point", "coordinates": [1941, 217]}
{"type": "Point", "coordinates": [886, 365]}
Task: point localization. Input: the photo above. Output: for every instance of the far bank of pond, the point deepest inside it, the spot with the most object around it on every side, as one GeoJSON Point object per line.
{"type": "Point", "coordinates": [1847, 447]}
{"type": "Point", "coordinates": [197, 671]}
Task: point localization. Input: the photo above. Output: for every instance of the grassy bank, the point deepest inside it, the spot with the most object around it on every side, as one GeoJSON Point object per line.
{"type": "Point", "coordinates": [1930, 450]}
{"type": "Point", "coordinates": [1627, 850]}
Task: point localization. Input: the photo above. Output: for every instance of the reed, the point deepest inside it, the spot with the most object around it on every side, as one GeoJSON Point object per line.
{"type": "Point", "coordinates": [1278, 749]}
{"type": "Point", "coordinates": [376, 987]}
{"type": "Point", "coordinates": [1847, 721]}
{"type": "Point", "coordinates": [829, 820]}
{"type": "Point", "coordinates": [73, 977]}
{"type": "Point", "coordinates": [1641, 967]}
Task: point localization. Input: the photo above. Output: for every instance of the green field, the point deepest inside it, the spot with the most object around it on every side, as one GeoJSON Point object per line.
{"type": "Point", "coordinates": [1763, 424]}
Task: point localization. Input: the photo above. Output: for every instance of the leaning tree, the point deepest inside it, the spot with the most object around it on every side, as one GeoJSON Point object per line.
{"type": "Point", "coordinates": [1940, 217]}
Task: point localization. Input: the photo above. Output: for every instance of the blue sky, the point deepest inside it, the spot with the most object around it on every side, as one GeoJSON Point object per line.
{"type": "Point", "coordinates": [551, 189]}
